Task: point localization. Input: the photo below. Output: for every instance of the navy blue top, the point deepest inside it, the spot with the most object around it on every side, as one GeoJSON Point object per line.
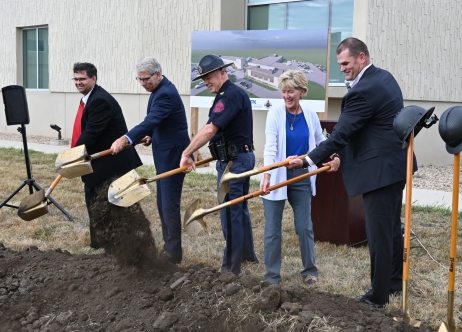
{"type": "Point", "coordinates": [232, 112]}
{"type": "Point", "coordinates": [296, 139]}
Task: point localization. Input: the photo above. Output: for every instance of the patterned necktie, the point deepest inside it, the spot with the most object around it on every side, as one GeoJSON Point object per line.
{"type": "Point", "coordinates": [348, 86]}
{"type": "Point", "coordinates": [77, 131]}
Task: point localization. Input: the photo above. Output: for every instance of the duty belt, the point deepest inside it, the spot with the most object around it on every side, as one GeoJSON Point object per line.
{"type": "Point", "coordinates": [228, 151]}
{"type": "Point", "coordinates": [245, 148]}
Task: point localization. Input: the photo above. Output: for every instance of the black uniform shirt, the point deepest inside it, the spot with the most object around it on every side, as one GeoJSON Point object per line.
{"type": "Point", "coordinates": [232, 112]}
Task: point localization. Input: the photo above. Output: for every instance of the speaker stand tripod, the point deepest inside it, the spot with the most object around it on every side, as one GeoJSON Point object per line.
{"type": "Point", "coordinates": [30, 181]}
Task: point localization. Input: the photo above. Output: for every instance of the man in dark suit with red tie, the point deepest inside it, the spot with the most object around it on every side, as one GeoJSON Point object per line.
{"type": "Point", "coordinates": [373, 162]}
{"type": "Point", "coordinates": [99, 121]}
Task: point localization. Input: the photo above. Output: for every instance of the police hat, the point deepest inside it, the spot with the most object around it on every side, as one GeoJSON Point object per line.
{"type": "Point", "coordinates": [210, 63]}
{"type": "Point", "coordinates": [450, 128]}
{"type": "Point", "coordinates": [412, 118]}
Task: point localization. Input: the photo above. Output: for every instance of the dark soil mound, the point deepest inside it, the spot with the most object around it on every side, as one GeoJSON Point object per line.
{"type": "Point", "coordinates": [124, 232]}
{"type": "Point", "coordinates": [56, 291]}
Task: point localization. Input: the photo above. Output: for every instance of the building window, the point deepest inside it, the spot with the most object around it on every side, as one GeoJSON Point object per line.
{"type": "Point", "coordinates": [35, 58]}
{"type": "Point", "coordinates": [308, 14]}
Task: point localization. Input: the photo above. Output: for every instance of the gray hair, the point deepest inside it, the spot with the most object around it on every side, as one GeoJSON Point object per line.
{"type": "Point", "coordinates": [149, 65]}
{"type": "Point", "coordinates": [294, 79]}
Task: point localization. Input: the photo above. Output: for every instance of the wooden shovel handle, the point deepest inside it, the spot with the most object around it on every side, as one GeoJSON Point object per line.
{"type": "Point", "coordinates": [179, 170]}
{"type": "Point", "coordinates": [454, 223]}
{"type": "Point", "coordinates": [277, 165]}
{"type": "Point", "coordinates": [109, 151]}
{"type": "Point", "coordinates": [407, 213]}
{"type": "Point", "coordinates": [279, 185]}
{"type": "Point", "coordinates": [53, 185]}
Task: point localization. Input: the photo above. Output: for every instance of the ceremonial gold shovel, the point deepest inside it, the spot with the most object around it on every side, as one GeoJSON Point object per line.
{"type": "Point", "coordinates": [450, 325]}
{"type": "Point", "coordinates": [407, 234]}
{"type": "Point", "coordinates": [131, 188]}
{"type": "Point", "coordinates": [193, 221]}
{"type": "Point", "coordinates": [223, 187]}
{"type": "Point", "coordinates": [36, 205]}
{"type": "Point", "coordinates": [77, 162]}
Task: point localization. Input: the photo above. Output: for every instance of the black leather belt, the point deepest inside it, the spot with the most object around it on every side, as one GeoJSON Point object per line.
{"type": "Point", "coordinates": [245, 148]}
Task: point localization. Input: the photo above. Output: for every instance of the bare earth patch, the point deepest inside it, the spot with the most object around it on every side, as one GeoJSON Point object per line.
{"type": "Point", "coordinates": [134, 288]}
{"type": "Point", "coordinates": [57, 291]}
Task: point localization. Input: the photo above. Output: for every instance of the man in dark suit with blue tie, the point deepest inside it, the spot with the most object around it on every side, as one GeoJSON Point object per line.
{"type": "Point", "coordinates": [99, 121]}
{"type": "Point", "coordinates": [166, 127]}
{"type": "Point", "coordinates": [373, 162]}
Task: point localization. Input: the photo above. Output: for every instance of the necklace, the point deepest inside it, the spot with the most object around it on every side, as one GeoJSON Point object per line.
{"type": "Point", "coordinates": [295, 117]}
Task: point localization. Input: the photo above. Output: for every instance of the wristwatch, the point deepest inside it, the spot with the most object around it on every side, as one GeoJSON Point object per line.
{"type": "Point", "coordinates": [335, 155]}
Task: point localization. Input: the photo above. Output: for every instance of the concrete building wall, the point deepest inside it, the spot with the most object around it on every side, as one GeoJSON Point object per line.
{"type": "Point", "coordinates": [113, 35]}
{"type": "Point", "coordinates": [420, 41]}
{"type": "Point", "coordinates": [417, 40]}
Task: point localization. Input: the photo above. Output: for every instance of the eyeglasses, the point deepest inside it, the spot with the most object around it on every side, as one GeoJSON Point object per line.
{"type": "Point", "coordinates": [144, 79]}
{"type": "Point", "coordinates": [79, 79]}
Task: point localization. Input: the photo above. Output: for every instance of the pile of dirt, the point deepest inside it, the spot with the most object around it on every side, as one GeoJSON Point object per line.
{"type": "Point", "coordinates": [124, 231]}
{"type": "Point", "coordinates": [131, 288]}
{"type": "Point", "coordinates": [57, 291]}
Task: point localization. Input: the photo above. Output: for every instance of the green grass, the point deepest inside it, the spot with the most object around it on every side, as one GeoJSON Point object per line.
{"type": "Point", "coordinates": [315, 92]}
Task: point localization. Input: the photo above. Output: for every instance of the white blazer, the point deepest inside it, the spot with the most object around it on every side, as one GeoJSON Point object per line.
{"type": "Point", "coordinates": [275, 147]}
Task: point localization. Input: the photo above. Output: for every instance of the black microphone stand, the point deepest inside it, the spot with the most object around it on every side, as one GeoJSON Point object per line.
{"type": "Point", "coordinates": [30, 181]}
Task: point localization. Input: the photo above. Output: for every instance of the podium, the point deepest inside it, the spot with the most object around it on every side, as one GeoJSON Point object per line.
{"type": "Point", "coordinates": [337, 218]}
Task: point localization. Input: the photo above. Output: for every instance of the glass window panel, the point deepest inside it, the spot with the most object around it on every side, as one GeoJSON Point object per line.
{"type": "Point", "coordinates": [277, 15]}
{"type": "Point", "coordinates": [257, 18]}
{"type": "Point", "coordinates": [308, 14]}
{"type": "Point", "coordinates": [43, 58]}
{"type": "Point", "coordinates": [341, 28]}
{"type": "Point", "coordinates": [30, 58]}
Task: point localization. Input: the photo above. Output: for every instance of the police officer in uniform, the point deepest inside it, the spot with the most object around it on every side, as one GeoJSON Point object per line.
{"type": "Point", "coordinates": [230, 132]}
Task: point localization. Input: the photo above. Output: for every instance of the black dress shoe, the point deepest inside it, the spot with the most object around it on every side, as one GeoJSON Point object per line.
{"type": "Point", "coordinates": [169, 258]}
{"type": "Point", "coordinates": [252, 261]}
{"type": "Point", "coordinates": [396, 292]}
{"type": "Point", "coordinates": [363, 299]}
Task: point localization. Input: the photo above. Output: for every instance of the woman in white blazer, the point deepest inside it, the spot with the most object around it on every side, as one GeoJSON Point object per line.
{"type": "Point", "coordinates": [290, 131]}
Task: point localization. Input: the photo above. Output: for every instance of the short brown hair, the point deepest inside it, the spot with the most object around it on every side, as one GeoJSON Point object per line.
{"type": "Point", "coordinates": [87, 67]}
{"type": "Point", "coordinates": [354, 46]}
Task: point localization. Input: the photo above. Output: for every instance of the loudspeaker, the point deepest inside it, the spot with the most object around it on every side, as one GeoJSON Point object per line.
{"type": "Point", "coordinates": [16, 110]}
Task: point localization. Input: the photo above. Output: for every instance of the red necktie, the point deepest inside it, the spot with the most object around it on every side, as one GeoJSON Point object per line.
{"type": "Point", "coordinates": [77, 124]}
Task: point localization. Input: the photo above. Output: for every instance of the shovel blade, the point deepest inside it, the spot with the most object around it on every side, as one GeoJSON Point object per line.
{"type": "Point", "coordinates": [408, 320]}
{"type": "Point", "coordinates": [128, 190]}
{"type": "Point", "coordinates": [223, 187]}
{"type": "Point", "coordinates": [73, 162]}
{"type": "Point", "coordinates": [193, 222]}
{"type": "Point", "coordinates": [449, 327]}
{"type": "Point", "coordinates": [33, 206]}
{"type": "Point", "coordinates": [75, 169]}
{"type": "Point", "coordinates": [71, 155]}
{"type": "Point", "coordinates": [195, 227]}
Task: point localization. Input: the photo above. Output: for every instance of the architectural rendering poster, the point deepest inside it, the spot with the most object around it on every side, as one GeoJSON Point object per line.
{"type": "Point", "coordinates": [259, 58]}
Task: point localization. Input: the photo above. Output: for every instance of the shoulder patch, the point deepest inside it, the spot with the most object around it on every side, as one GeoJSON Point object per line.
{"type": "Point", "coordinates": [219, 107]}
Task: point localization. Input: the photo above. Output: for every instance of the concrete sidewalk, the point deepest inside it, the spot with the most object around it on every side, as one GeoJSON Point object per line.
{"type": "Point", "coordinates": [420, 197]}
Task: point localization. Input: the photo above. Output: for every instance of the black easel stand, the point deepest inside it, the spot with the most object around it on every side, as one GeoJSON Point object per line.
{"type": "Point", "coordinates": [30, 181]}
